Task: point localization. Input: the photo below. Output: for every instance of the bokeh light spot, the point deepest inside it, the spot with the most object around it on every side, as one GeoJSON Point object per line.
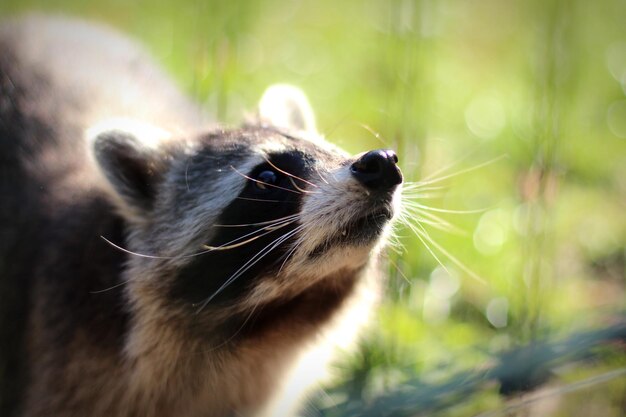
{"type": "Point", "coordinates": [492, 231]}
{"type": "Point", "coordinates": [497, 312]}
{"type": "Point", "coordinates": [616, 61]}
{"type": "Point", "coordinates": [616, 118]}
{"type": "Point", "coordinates": [485, 117]}
{"type": "Point", "coordinates": [441, 289]}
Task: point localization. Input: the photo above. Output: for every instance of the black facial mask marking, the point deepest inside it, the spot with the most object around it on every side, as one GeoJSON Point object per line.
{"type": "Point", "coordinates": [269, 195]}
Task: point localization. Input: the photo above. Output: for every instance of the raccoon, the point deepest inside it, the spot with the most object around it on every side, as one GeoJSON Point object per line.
{"type": "Point", "coordinates": [155, 263]}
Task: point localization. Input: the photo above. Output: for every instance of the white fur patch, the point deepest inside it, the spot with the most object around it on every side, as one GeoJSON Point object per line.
{"type": "Point", "coordinates": [285, 106]}
{"type": "Point", "coordinates": [149, 135]}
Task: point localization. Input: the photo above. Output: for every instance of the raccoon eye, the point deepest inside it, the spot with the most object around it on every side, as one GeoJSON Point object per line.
{"type": "Point", "coordinates": [265, 178]}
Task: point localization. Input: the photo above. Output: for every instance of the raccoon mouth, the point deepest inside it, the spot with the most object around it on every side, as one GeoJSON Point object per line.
{"type": "Point", "coordinates": [362, 231]}
{"type": "Point", "coordinates": [373, 221]}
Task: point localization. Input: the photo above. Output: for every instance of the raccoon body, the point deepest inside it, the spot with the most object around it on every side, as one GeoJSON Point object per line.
{"type": "Point", "coordinates": [155, 264]}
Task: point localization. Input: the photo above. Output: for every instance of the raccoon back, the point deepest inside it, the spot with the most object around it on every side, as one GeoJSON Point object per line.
{"type": "Point", "coordinates": [58, 77]}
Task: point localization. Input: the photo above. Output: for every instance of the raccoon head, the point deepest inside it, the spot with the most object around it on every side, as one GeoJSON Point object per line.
{"type": "Point", "coordinates": [237, 218]}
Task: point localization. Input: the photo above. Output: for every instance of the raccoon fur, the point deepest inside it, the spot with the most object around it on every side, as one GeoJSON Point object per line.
{"type": "Point", "coordinates": [153, 263]}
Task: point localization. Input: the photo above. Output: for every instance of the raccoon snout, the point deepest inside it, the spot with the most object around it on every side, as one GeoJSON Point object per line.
{"type": "Point", "coordinates": [377, 170]}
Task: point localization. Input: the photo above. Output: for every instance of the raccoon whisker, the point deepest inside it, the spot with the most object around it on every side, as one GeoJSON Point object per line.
{"type": "Point", "coordinates": [264, 183]}
{"type": "Point", "coordinates": [321, 176]}
{"type": "Point", "coordinates": [300, 189]}
{"type": "Point", "coordinates": [286, 258]}
{"type": "Point", "coordinates": [463, 171]}
{"type": "Point", "coordinates": [269, 229]}
{"type": "Point", "coordinates": [397, 268]}
{"type": "Point", "coordinates": [394, 238]}
{"type": "Point", "coordinates": [266, 201]}
{"type": "Point", "coordinates": [395, 244]}
{"type": "Point", "coordinates": [282, 239]}
{"type": "Point", "coordinates": [296, 245]}
{"type": "Point", "coordinates": [421, 238]}
{"type": "Point", "coordinates": [443, 226]}
{"type": "Point", "coordinates": [451, 257]}
{"type": "Point", "coordinates": [245, 242]}
{"type": "Point", "coordinates": [249, 264]}
{"type": "Point", "coordinates": [269, 222]}
{"type": "Point", "coordinates": [410, 195]}
{"type": "Point", "coordinates": [419, 195]}
{"type": "Point", "coordinates": [290, 234]}
{"type": "Point", "coordinates": [276, 227]}
{"type": "Point", "coordinates": [413, 187]}
{"type": "Point", "coordinates": [422, 207]}
{"type": "Point", "coordinates": [291, 252]}
{"type": "Point", "coordinates": [415, 214]}
{"type": "Point", "coordinates": [447, 167]}
{"type": "Point", "coordinates": [186, 173]}
{"type": "Point", "coordinates": [289, 174]}
{"type": "Point", "coordinates": [425, 217]}
{"type": "Point", "coordinates": [396, 248]}
{"type": "Point", "coordinates": [374, 133]}
{"type": "Point", "coordinates": [110, 288]}
{"type": "Point", "coordinates": [232, 244]}
{"type": "Point", "coordinates": [141, 255]}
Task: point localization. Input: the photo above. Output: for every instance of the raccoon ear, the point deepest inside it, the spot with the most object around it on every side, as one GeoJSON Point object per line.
{"type": "Point", "coordinates": [286, 106]}
{"type": "Point", "coordinates": [131, 163]}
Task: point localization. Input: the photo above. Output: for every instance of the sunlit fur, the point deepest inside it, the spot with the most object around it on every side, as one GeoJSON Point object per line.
{"type": "Point", "coordinates": [135, 300]}
{"type": "Point", "coordinates": [328, 204]}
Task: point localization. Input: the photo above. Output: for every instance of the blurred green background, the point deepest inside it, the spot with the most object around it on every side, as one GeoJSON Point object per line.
{"type": "Point", "coordinates": [536, 87]}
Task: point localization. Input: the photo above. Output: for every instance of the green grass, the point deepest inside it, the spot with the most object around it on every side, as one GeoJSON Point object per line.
{"type": "Point", "coordinates": [541, 82]}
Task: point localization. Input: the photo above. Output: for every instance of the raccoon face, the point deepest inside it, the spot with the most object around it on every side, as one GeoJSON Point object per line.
{"type": "Point", "coordinates": [249, 215]}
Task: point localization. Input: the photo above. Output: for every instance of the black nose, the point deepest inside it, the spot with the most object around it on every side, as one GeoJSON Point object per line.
{"type": "Point", "coordinates": [377, 170]}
